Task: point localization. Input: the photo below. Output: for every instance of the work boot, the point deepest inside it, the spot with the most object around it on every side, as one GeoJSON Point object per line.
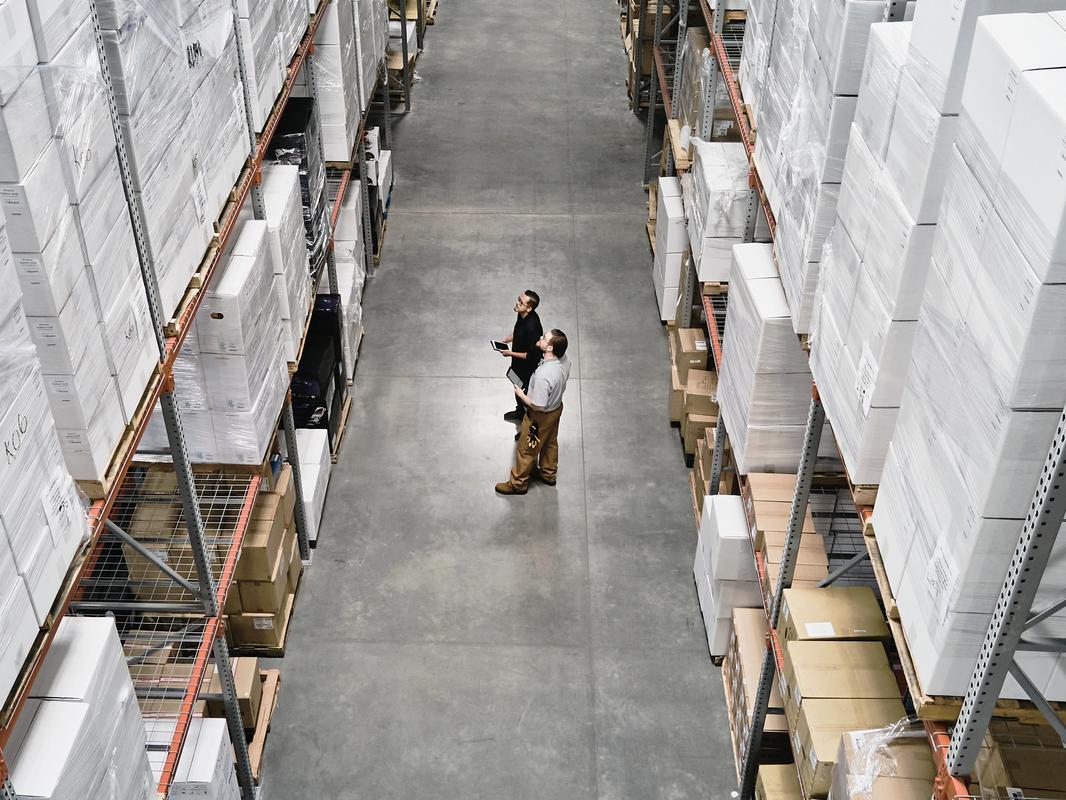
{"type": "Point", "coordinates": [508, 488]}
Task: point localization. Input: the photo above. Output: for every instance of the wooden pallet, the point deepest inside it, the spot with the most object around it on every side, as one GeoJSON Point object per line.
{"type": "Point", "coordinates": [271, 679]}
{"type": "Point", "coordinates": [431, 12]}
{"type": "Point", "coordinates": [682, 159]}
{"type": "Point", "coordinates": [650, 228]}
{"type": "Point", "coordinates": [99, 489]}
{"type": "Point", "coordinates": [381, 241]}
{"type": "Point", "coordinates": [335, 451]}
{"type": "Point", "coordinates": [937, 708]}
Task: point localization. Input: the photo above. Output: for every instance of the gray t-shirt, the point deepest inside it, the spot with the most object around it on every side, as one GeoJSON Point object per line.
{"type": "Point", "coordinates": [548, 383]}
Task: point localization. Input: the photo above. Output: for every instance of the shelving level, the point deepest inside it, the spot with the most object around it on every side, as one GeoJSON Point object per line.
{"type": "Point", "coordinates": [955, 727]}
{"type": "Point", "coordinates": [175, 616]}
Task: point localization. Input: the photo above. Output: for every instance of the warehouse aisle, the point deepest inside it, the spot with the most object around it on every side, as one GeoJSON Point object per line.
{"type": "Point", "coordinates": [450, 643]}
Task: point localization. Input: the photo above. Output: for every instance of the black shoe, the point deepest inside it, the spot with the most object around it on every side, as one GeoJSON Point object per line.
{"type": "Point", "coordinates": [508, 488]}
{"type": "Point", "coordinates": [514, 416]}
{"type": "Point", "coordinates": [543, 480]}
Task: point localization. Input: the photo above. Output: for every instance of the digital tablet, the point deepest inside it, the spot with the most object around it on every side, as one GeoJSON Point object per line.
{"type": "Point", "coordinates": [499, 347]}
{"type": "Point", "coordinates": [513, 377]}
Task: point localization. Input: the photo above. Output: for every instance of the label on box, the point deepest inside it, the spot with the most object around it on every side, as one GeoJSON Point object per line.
{"type": "Point", "coordinates": [701, 345]}
{"type": "Point", "coordinates": [813, 760]}
{"type": "Point", "coordinates": [58, 509]}
{"type": "Point", "coordinates": [941, 575]}
{"type": "Point", "coordinates": [820, 630]}
{"type": "Point", "coordinates": [263, 623]}
{"type": "Point", "coordinates": [865, 378]}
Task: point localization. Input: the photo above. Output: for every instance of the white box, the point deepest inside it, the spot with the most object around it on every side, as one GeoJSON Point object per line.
{"type": "Point", "coordinates": [19, 56]}
{"type": "Point", "coordinates": [44, 576]}
{"type": "Point", "coordinates": [857, 189]}
{"type": "Point", "coordinates": [103, 206]}
{"type": "Point", "coordinates": [670, 234]}
{"type": "Point", "coordinates": [725, 540]}
{"type": "Point", "coordinates": [885, 56]}
{"type": "Point", "coordinates": [47, 278]}
{"type": "Point", "coordinates": [45, 744]}
{"type": "Point", "coordinates": [114, 267]}
{"type": "Point", "coordinates": [842, 30]}
{"type": "Point", "coordinates": [1031, 191]}
{"type": "Point", "coordinates": [35, 205]}
{"type": "Point", "coordinates": [17, 633]}
{"type": "Point", "coordinates": [665, 296]}
{"type": "Point", "coordinates": [61, 340]}
{"type": "Point", "coordinates": [54, 22]}
{"type": "Point", "coordinates": [88, 451]}
{"type": "Point", "coordinates": [919, 150]}
{"type": "Point", "coordinates": [941, 40]}
{"type": "Point", "coordinates": [73, 398]}
{"type": "Point", "coordinates": [1004, 47]}
{"type": "Point", "coordinates": [24, 129]}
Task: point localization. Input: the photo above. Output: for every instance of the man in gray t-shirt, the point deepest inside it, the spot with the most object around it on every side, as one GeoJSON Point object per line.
{"type": "Point", "coordinates": [538, 438]}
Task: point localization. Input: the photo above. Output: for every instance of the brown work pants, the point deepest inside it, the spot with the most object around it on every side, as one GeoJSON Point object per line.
{"type": "Point", "coordinates": [546, 448]}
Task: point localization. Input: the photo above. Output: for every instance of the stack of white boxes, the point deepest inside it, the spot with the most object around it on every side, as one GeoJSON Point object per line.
{"type": "Point", "coordinates": [231, 375]}
{"type": "Point", "coordinates": [394, 47]}
{"type": "Point", "coordinates": [288, 248]}
{"type": "Point", "coordinates": [337, 81]}
{"type": "Point", "coordinates": [264, 71]}
{"type": "Point", "coordinates": [671, 245]}
{"type": "Point", "coordinates": [890, 203]}
{"type": "Point", "coordinates": [803, 174]}
{"type": "Point", "coordinates": [371, 35]}
{"type": "Point", "coordinates": [724, 568]}
{"type": "Point", "coordinates": [205, 769]}
{"type": "Point", "coordinates": [315, 468]}
{"type": "Point", "coordinates": [350, 256]}
{"type": "Point", "coordinates": [218, 119]}
{"type": "Point", "coordinates": [81, 733]}
{"type": "Point", "coordinates": [716, 194]}
{"type": "Point", "coordinates": [151, 79]}
{"type": "Point", "coordinates": [764, 386]}
{"type": "Point", "coordinates": [292, 25]}
{"type": "Point", "coordinates": [41, 516]}
{"type": "Point", "coordinates": [69, 228]}
{"type": "Point", "coordinates": [988, 377]}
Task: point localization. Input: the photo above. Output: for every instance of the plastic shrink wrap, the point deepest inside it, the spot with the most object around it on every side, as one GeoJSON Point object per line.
{"type": "Point", "coordinates": [695, 78]}
{"type": "Point", "coordinates": [292, 280]}
{"type": "Point", "coordinates": [337, 80]}
{"type": "Point", "coordinates": [764, 385]}
{"type": "Point", "coordinates": [886, 762]}
{"type": "Point", "coordinates": [205, 769]}
{"type": "Point", "coordinates": [81, 733]}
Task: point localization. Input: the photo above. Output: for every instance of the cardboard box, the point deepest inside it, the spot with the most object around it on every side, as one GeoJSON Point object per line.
{"type": "Point", "coordinates": [268, 596]}
{"type": "Point", "coordinates": [296, 564]}
{"type": "Point", "coordinates": [780, 487]}
{"type": "Point", "coordinates": [691, 349]}
{"type": "Point", "coordinates": [841, 670]}
{"type": "Point", "coordinates": [749, 632]}
{"type": "Point", "coordinates": [263, 541]}
{"type": "Point", "coordinates": [870, 766]}
{"type": "Point", "coordinates": [676, 401]}
{"type": "Point", "coordinates": [821, 723]}
{"type": "Point", "coordinates": [249, 690]}
{"type": "Point", "coordinates": [261, 630]}
{"type": "Point", "coordinates": [835, 612]}
{"type": "Point", "coordinates": [701, 393]}
{"type": "Point", "coordinates": [777, 782]}
{"type": "Point", "coordinates": [811, 550]}
{"type": "Point", "coordinates": [692, 428]}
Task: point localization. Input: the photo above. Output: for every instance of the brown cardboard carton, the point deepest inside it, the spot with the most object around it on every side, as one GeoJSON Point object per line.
{"type": "Point", "coordinates": [777, 782]}
{"type": "Point", "coordinates": [774, 516]}
{"type": "Point", "coordinates": [260, 630]}
{"type": "Point", "coordinates": [883, 764]}
{"type": "Point", "coordinates": [1036, 767]}
{"type": "Point", "coordinates": [811, 552]}
{"type": "Point", "coordinates": [778, 487]}
{"type": "Point", "coordinates": [691, 352]}
{"type": "Point", "coordinates": [815, 669]}
{"type": "Point", "coordinates": [805, 576]}
{"type": "Point", "coordinates": [701, 393]}
{"type": "Point", "coordinates": [296, 565]}
{"type": "Point", "coordinates": [267, 596]}
{"type": "Point", "coordinates": [676, 402]}
{"type": "Point", "coordinates": [692, 428]}
{"type": "Point", "coordinates": [821, 723]}
{"type": "Point", "coordinates": [249, 690]}
{"type": "Point", "coordinates": [285, 487]}
{"type": "Point", "coordinates": [749, 629]}
{"type": "Point", "coordinates": [263, 540]}
{"type": "Point", "coordinates": [835, 612]}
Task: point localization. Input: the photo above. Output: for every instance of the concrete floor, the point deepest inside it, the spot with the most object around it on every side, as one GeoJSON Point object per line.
{"type": "Point", "coordinates": [447, 642]}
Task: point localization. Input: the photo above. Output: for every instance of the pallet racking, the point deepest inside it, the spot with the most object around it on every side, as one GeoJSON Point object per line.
{"type": "Point", "coordinates": [184, 610]}
{"type": "Point", "coordinates": [955, 727]}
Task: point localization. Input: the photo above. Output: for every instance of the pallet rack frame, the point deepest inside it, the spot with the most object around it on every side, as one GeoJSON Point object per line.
{"type": "Point", "coordinates": [169, 335]}
{"type": "Point", "coordinates": [954, 749]}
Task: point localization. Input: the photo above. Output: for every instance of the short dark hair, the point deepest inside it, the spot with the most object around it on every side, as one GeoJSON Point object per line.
{"type": "Point", "coordinates": [558, 341]}
{"type": "Point", "coordinates": [533, 297]}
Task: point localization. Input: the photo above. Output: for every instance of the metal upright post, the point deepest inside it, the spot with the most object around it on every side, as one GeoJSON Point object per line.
{"type": "Point", "coordinates": [710, 96]}
{"type": "Point", "coordinates": [805, 474]}
{"type": "Point", "coordinates": [289, 426]}
{"type": "Point", "coordinates": [718, 455]}
{"type": "Point", "coordinates": [895, 10]}
{"type": "Point", "coordinates": [243, 761]}
{"type": "Point", "coordinates": [751, 218]}
{"type": "Point", "coordinates": [688, 294]}
{"type": "Point", "coordinates": [258, 205]}
{"type": "Point", "coordinates": [368, 235]}
{"type": "Point", "coordinates": [638, 52]}
{"type": "Point", "coordinates": [7, 790]}
{"type": "Point", "coordinates": [421, 24]}
{"type": "Point", "coordinates": [653, 97]}
{"type": "Point", "coordinates": [386, 103]}
{"type": "Point", "coordinates": [682, 41]}
{"type": "Point", "coordinates": [1012, 614]}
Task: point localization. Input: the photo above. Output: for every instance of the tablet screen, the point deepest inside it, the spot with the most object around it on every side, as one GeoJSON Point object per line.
{"type": "Point", "coordinates": [499, 347]}
{"type": "Point", "coordinates": [513, 376]}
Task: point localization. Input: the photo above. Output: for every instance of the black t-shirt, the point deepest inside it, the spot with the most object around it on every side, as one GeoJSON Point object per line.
{"type": "Point", "coordinates": [527, 332]}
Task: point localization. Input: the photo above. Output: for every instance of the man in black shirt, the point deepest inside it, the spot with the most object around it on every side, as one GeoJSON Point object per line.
{"type": "Point", "coordinates": [524, 353]}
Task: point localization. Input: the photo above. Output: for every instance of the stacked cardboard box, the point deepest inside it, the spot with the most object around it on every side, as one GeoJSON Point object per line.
{"type": "Point", "coordinates": [268, 572]}
{"type": "Point", "coordinates": [248, 688]}
{"type": "Point", "coordinates": [724, 568]}
{"type": "Point", "coordinates": [1018, 760]}
{"type": "Point", "coordinates": [886, 762]}
{"type": "Point", "coordinates": [81, 733]}
{"type": "Point", "coordinates": [987, 381]}
{"type": "Point", "coordinates": [778, 782]}
{"type": "Point", "coordinates": [715, 195]}
{"type": "Point", "coordinates": [741, 670]}
{"type": "Point", "coordinates": [671, 246]}
{"type": "Point", "coordinates": [765, 384]}
{"type": "Point", "coordinates": [836, 677]}
{"type": "Point", "coordinates": [288, 250]}
{"type": "Point", "coordinates": [689, 354]}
